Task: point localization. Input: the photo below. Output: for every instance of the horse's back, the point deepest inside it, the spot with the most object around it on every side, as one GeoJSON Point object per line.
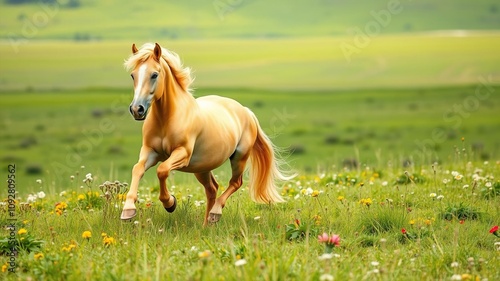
{"type": "Point", "coordinates": [224, 107]}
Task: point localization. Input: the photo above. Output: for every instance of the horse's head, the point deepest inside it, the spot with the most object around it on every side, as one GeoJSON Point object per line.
{"type": "Point", "coordinates": [148, 82]}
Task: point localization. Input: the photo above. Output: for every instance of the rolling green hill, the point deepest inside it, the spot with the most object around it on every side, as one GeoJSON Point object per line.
{"type": "Point", "coordinates": [198, 19]}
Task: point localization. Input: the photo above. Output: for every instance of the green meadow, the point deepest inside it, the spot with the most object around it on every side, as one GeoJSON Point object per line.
{"type": "Point", "coordinates": [387, 111]}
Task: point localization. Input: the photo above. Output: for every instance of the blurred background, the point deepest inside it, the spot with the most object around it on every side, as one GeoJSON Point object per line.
{"type": "Point", "coordinates": [337, 84]}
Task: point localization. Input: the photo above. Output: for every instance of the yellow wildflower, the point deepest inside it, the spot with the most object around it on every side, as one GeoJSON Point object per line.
{"type": "Point", "coordinates": [86, 234]}
{"type": "Point", "coordinates": [81, 196]}
{"type": "Point", "coordinates": [427, 222]}
{"type": "Point", "coordinates": [341, 198]}
{"type": "Point", "coordinates": [104, 234]}
{"type": "Point", "coordinates": [38, 256]}
{"type": "Point", "coordinates": [315, 193]}
{"type": "Point", "coordinates": [412, 222]}
{"type": "Point", "coordinates": [205, 254]}
{"type": "Point", "coordinates": [22, 231]}
{"type": "Point", "coordinates": [4, 267]}
{"type": "Point", "coordinates": [366, 202]}
{"type": "Point", "coordinates": [108, 241]}
{"type": "Point", "coordinates": [25, 222]}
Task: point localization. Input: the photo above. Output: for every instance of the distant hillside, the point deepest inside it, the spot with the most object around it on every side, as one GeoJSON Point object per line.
{"type": "Point", "coordinates": [198, 19]}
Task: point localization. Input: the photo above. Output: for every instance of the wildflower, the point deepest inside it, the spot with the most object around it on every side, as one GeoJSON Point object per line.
{"type": "Point", "coordinates": [458, 177]}
{"type": "Point", "coordinates": [62, 193]}
{"type": "Point", "coordinates": [87, 235]}
{"type": "Point", "coordinates": [428, 222]}
{"type": "Point", "coordinates": [315, 193]}
{"type": "Point", "coordinates": [375, 263]}
{"type": "Point", "coordinates": [446, 181]}
{"type": "Point", "coordinates": [199, 203]}
{"type": "Point", "coordinates": [22, 231]}
{"type": "Point", "coordinates": [81, 197]}
{"type": "Point", "coordinates": [4, 267]}
{"type": "Point", "coordinates": [403, 231]}
{"type": "Point", "coordinates": [326, 277]}
{"type": "Point", "coordinates": [465, 186]}
{"type": "Point", "coordinates": [456, 277]}
{"type": "Point", "coordinates": [31, 198]}
{"type": "Point", "coordinates": [454, 264]}
{"type": "Point", "coordinates": [257, 218]}
{"type": "Point", "coordinates": [440, 197]}
{"type": "Point", "coordinates": [68, 248]}
{"type": "Point", "coordinates": [412, 222]}
{"type": "Point", "coordinates": [240, 262]}
{"type": "Point", "coordinates": [432, 195]}
{"type": "Point", "coordinates": [107, 241]}
{"type": "Point", "coordinates": [329, 241]}
{"type": "Point", "coordinates": [385, 183]}
{"type": "Point", "coordinates": [39, 181]}
{"type": "Point", "coordinates": [497, 245]}
{"type": "Point", "coordinates": [341, 198]}
{"type": "Point", "coordinates": [454, 173]}
{"type": "Point", "coordinates": [366, 202]}
{"type": "Point", "coordinates": [41, 194]}
{"type": "Point", "coordinates": [307, 191]}
{"type": "Point", "coordinates": [488, 184]}
{"type": "Point", "coordinates": [494, 231]}
{"type": "Point", "coordinates": [88, 178]}
{"type": "Point", "coordinates": [205, 254]}
{"type": "Point", "coordinates": [38, 256]}
{"type": "Point", "coordinates": [25, 222]}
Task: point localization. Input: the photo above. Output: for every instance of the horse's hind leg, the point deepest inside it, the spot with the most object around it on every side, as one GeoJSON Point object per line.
{"type": "Point", "coordinates": [238, 162]}
{"type": "Point", "coordinates": [208, 181]}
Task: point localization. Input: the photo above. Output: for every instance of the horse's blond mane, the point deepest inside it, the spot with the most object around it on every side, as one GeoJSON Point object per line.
{"type": "Point", "coordinates": [181, 74]}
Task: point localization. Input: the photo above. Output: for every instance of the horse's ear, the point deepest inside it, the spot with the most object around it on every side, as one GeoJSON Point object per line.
{"type": "Point", "coordinates": [134, 49]}
{"type": "Point", "coordinates": [157, 52]}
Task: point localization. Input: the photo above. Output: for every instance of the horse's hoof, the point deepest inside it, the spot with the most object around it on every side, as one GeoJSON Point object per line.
{"type": "Point", "coordinates": [172, 208]}
{"type": "Point", "coordinates": [128, 214]}
{"type": "Point", "coordinates": [213, 218]}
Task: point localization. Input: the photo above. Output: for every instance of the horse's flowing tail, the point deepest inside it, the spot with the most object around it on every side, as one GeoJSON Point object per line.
{"type": "Point", "coordinates": [265, 170]}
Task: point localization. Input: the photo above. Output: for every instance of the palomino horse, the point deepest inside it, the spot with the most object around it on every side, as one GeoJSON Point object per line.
{"type": "Point", "coordinates": [194, 135]}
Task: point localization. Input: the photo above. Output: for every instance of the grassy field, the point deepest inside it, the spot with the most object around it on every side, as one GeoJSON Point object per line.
{"type": "Point", "coordinates": [391, 61]}
{"type": "Point", "coordinates": [200, 19]}
{"type": "Point", "coordinates": [396, 144]}
{"type": "Point", "coordinates": [429, 223]}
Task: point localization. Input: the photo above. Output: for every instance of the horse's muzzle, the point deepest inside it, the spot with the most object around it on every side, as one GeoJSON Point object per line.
{"type": "Point", "coordinates": [139, 112]}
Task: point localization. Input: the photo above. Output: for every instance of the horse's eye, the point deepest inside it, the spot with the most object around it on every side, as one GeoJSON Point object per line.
{"type": "Point", "coordinates": [132, 75]}
{"type": "Point", "coordinates": [154, 75]}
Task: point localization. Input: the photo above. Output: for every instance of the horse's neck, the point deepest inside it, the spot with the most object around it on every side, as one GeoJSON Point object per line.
{"type": "Point", "coordinates": [171, 102]}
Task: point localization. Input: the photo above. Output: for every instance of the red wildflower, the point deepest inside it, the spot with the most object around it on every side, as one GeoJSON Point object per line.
{"type": "Point", "coordinates": [494, 231]}
{"type": "Point", "coordinates": [403, 231]}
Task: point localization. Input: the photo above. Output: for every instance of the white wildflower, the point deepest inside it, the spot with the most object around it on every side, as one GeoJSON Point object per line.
{"type": "Point", "coordinates": [445, 181]}
{"type": "Point", "coordinates": [240, 262]}
{"type": "Point", "coordinates": [62, 193]}
{"type": "Point", "coordinates": [454, 264]}
{"type": "Point", "coordinates": [432, 195]}
{"type": "Point", "coordinates": [257, 218]}
{"type": "Point", "coordinates": [440, 197]}
{"type": "Point", "coordinates": [326, 277]}
{"type": "Point", "coordinates": [385, 183]}
{"type": "Point", "coordinates": [375, 263]}
{"type": "Point", "coordinates": [39, 181]}
{"type": "Point", "coordinates": [31, 198]}
{"type": "Point", "coordinates": [454, 173]}
{"type": "Point", "coordinates": [199, 203]}
{"type": "Point", "coordinates": [488, 184]}
{"type": "Point", "coordinates": [456, 277]}
{"type": "Point", "coordinates": [465, 186]}
{"type": "Point", "coordinates": [41, 194]}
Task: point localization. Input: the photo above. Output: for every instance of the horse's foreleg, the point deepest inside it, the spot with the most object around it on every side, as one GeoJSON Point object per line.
{"type": "Point", "coordinates": [147, 158]}
{"type": "Point", "coordinates": [178, 159]}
